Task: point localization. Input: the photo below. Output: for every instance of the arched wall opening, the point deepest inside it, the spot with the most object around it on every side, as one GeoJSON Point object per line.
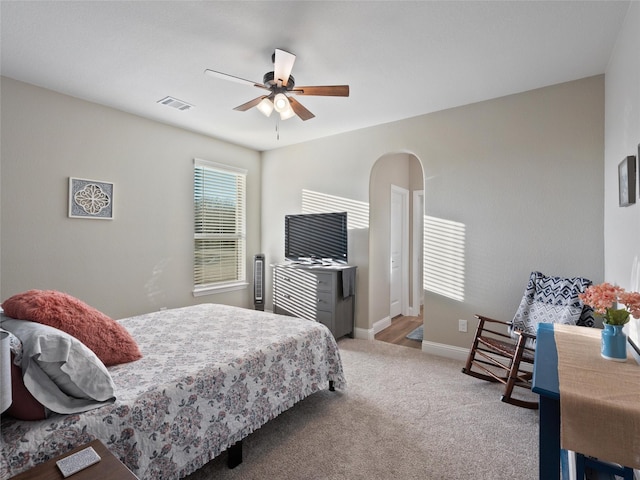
{"type": "Point", "coordinates": [395, 172]}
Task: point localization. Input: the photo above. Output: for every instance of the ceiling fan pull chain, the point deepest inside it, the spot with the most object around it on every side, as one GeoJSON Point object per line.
{"type": "Point", "coordinates": [277, 129]}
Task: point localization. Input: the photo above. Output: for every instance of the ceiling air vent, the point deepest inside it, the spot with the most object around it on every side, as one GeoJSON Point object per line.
{"type": "Point", "coordinates": [175, 103]}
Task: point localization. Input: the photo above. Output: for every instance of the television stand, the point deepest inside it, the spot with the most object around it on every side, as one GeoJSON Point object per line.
{"type": "Point", "coordinates": [323, 293]}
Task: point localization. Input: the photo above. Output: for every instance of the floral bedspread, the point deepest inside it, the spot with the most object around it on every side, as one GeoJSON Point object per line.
{"type": "Point", "coordinates": [210, 375]}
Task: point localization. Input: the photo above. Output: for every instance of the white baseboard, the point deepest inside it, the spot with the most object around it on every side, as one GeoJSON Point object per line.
{"type": "Point", "coordinates": [364, 334]}
{"type": "Point", "coordinates": [370, 334]}
{"type": "Point", "coordinates": [440, 349]}
{"type": "Point", "coordinates": [444, 350]}
{"type": "Point", "coordinates": [381, 324]}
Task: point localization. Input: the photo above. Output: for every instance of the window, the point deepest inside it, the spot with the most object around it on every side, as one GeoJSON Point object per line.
{"type": "Point", "coordinates": [219, 229]}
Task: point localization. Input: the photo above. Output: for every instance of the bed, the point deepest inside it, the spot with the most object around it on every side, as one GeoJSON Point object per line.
{"type": "Point", "coordinates": [209, 376]}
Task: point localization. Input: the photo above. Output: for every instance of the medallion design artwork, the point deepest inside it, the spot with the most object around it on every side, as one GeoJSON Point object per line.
{"type": "Point", "coordinates": [92, 199]}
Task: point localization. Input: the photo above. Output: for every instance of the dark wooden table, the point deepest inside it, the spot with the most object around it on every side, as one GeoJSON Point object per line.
{"type": "Point", "coordinates": [108, 468]}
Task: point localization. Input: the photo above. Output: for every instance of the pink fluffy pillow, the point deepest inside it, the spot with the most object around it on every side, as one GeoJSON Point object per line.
{"type": "Point", "coordinates": [109, 340]}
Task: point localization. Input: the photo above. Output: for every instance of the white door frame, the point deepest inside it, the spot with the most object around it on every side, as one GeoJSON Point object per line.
{"type": "Point", "coordinates": [417, 252]}
{"type": "Point", "coordinates": [404, 244]}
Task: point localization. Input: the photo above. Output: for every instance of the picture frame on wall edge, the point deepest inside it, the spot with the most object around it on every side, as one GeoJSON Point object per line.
{"type": "Point", "coordinates": [627, 181]}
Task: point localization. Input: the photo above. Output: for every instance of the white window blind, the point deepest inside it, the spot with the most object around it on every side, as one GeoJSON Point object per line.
{"type": "Point", "coordinates": [219, 227]}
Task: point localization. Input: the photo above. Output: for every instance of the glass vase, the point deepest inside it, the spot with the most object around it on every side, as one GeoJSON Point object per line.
{"type": "Point", "coordinates": [614, 343]}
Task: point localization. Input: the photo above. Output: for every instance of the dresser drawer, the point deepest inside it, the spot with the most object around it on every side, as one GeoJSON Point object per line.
{"type": "Point", "coordinates": [295, 306]}
{"type": "Point", "coordinates": [284, 300]}
{"type": "Point", "coordinates": [295, 282]}
{"type": "Point", "coordinates": [325, 301]}
{"type": "Point", "coordinates": [324, 282]}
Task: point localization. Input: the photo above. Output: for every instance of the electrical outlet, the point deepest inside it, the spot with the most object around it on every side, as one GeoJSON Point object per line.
{"type": "Point", "coordinates": [462, 325]}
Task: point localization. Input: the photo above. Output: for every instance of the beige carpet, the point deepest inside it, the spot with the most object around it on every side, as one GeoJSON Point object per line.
{"type": "Point", "coordinates": [404, 415]}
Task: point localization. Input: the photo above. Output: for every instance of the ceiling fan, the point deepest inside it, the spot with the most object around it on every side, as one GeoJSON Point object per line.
{"type": "Point", "coordinates": [281, 85]}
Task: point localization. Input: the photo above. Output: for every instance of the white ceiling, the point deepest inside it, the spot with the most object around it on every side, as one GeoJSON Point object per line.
{"type": "Point", "coordinates": [400, 58]}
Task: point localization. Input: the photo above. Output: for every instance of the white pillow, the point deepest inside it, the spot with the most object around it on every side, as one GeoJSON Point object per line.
{"type": "Point", "coordinates": [59, 370]}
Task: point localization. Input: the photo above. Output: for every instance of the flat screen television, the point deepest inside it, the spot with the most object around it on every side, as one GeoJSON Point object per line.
{"type": "Point", "coordinates": [316, 237]}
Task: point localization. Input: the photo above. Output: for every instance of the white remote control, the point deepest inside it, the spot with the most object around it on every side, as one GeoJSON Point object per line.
{"type": "Point", "coordinates": [78, 461]}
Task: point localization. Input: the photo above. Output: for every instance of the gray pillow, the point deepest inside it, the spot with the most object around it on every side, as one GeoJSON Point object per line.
{"type": "Point", "coordinates": [59, 370]}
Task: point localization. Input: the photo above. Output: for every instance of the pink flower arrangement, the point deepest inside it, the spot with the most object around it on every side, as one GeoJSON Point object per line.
{"type": "Point", "coordinates": [604, 299]}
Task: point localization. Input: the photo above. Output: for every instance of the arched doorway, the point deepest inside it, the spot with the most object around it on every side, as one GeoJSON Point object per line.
{"type": "Point", "coordinates": [391, 175]}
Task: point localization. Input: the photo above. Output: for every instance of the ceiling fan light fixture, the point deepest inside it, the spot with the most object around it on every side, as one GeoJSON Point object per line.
{"type": "Point", "coordinates": [287, 113]}
{"type": "Point", "coordinates": [281, 103]}
{"type": "Point", "coordinates": [265, 106]}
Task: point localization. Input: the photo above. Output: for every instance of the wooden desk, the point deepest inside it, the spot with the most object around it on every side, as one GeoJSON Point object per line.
{"type": "Point", "coordinates": [108, 468]}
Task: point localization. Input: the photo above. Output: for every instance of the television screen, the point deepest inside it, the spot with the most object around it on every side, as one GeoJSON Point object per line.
{"type": "Point", "coordinates": [316, 237]}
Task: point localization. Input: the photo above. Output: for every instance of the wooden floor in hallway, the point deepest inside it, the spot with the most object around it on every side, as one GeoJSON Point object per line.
{"type": "Point", "coordinates": [396, 333]}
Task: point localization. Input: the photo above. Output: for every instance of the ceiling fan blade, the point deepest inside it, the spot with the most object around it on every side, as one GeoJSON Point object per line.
{"type": "Point", "coordinates": [250, 104]}
{"type": "Point", "coordinates": [282, 66]}
{"type": "Point", "coordinates": [232, 78]}
{"type": "Point", "coordinates": [300, 110]}
{"type": "Point", "coordinates": [327, 90]}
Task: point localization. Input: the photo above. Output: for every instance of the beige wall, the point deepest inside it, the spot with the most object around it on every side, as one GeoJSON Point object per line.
{"type": "Point", "coordinates": [416, 184]}
{"type": "Point", "coordinates": [622, 137]}
{"type": "Point", "coordinates": [522, 174]}
{"type": "Point", "coordinates": [142, 260]}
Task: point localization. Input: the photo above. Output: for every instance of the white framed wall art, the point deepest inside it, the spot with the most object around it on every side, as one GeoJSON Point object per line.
{"type": "Point", "coordinates": [90, 199]}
